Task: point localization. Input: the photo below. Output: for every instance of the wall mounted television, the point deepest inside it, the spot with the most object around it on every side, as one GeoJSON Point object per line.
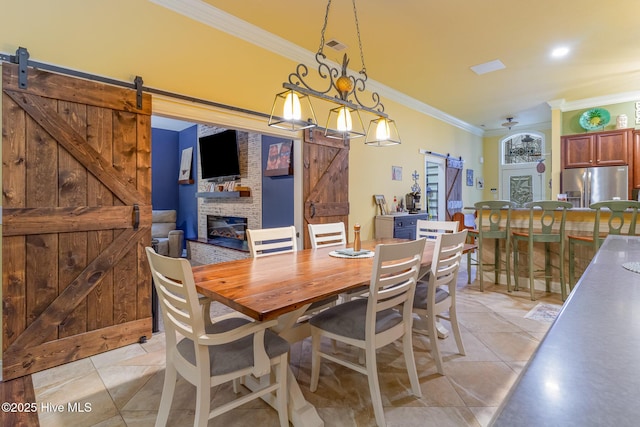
{"type": "Point", "coordinates": [219, 160]}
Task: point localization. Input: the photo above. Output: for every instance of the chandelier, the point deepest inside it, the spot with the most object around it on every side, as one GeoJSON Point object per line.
{"type": "Point", "coordinates": [292, 109]}
{"type": "Point", "coordinates": [509, 123]}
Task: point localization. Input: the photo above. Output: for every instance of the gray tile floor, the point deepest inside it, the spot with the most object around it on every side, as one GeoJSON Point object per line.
{"type": "Point", "coordinates": [123, 386]}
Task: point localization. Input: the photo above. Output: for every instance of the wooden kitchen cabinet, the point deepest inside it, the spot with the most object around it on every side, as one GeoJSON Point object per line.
{"type": "Point", "coordinates": [634, 168]}
{"type": "Point", "coordinates": [607, 148]}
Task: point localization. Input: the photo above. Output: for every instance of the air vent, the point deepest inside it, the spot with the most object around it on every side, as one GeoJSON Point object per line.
{"type": "Point", "coordinates": [336, 45]}
{"type": "Point", "coordinates": [488, 67]}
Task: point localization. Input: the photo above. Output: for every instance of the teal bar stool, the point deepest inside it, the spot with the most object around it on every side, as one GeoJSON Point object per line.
{"type": "Point", "coordinates": [546, 225]}
{"type": "Point", "coordinates": [494, 219]}
{"type": "Point", "coordinates": [616, 210]}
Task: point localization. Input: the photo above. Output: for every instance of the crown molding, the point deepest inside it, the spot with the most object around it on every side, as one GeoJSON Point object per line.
{"type": "Point", "coordinates": [223, 21]}
{"type": "Point", "coordinates": [597, 101]}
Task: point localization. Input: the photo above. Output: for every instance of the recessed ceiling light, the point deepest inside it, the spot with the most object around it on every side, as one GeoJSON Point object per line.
{"type": "Point", "coordinates": [488, 67]}
{"type": "Point", "coordinates": [559, 52]}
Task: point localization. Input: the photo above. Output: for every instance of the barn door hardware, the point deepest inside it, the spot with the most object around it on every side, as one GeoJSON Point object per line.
{"type": "Point", "coordinates": [138, 84]}
{"type": "Point", "coordinates": [136, 216]}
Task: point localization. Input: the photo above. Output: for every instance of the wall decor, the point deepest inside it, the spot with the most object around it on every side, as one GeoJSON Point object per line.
{"type": "Point", "coordinates": [184, 177]}
{"type": "Point", "coordinates": [381, 202]}
{"type": "Point", "coordinates": [480, 184]}
{"type": "Point", "coordinates": [396, 173]}
{"type": "Point", "coordinates": [279, 159]}
{"type": "Point", "coordinates": [470, 177]}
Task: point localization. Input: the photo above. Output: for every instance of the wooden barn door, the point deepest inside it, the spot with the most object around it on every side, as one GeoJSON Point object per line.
{"type": "Point", "coordinates": [453, 176]}
{"type": "Point", "coordinates": [325, 181]}
{"type": "Point", "coordinates": [76, 212]}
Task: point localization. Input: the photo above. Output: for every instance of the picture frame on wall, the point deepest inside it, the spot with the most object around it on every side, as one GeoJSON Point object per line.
{"type": "Point", "coordinates": [469, 177]}
{"type": "Point", "coordinates": [184, 175]}
{"type": "Point", "coordinates": [396, 173]}
{"type": "Point", "coordinates": [279, 159]}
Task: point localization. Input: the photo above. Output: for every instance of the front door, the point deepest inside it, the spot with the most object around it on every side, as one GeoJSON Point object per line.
{"type": "Point", "coordinates": [521, 183]}
{"type": "Point", "coordinates": [76, 210]}
{"type": "Point", "coordinates": [325, 181]}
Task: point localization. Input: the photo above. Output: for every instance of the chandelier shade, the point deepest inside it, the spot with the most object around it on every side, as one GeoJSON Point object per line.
{"type": "Point", "coordinates": [382, 132]}
{"type": "Point", "coordinates": [296, 112]}
{"type": "Point", "coordinates": [344, 122]}
{"type": "Point", "coordinates": [292, 108]}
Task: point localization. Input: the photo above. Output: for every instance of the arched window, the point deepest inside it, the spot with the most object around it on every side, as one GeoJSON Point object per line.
{"type": "Point", "coordinates": [522, 148]}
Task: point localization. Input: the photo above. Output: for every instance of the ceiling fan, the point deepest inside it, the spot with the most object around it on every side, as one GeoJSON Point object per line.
{"type": "Point", "coordinates": [509, 123]}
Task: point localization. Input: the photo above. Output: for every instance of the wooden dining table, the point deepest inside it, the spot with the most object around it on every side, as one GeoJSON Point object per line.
{"type": "Point", "coordinates": [283, 287]}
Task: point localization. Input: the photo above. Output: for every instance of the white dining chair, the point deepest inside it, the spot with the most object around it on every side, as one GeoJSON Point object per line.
{"type": "Point", "coordinates": [333, 234]}
{"type": "Point", "coordinates": [281, 240]}
{"type": "Point", "coordinates": [431, 229]}
{"type": "Point", "coordinates": [376, 321]}
{"type": "Point", "coordinates": [224, 349]}
{"type": "Point", "coordinates": [437, 294]}
{"type": "Point", "coordinates": [324, 235]}
{"type": "Point", "coordinates": [270, 241]}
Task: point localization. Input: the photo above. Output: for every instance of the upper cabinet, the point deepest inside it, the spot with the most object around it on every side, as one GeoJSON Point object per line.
{"type": "Point", "coordinates": [607, 148]}
{"type": "Point", "coordinates": [634, 169]}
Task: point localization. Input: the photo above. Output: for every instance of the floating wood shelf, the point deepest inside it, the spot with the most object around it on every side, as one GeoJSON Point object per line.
{"type": "Point", "coordinates": [223, 194]}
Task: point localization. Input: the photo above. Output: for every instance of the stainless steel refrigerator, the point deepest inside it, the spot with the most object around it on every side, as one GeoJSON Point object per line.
{"type": "Point", "coordinates": [584, 186]}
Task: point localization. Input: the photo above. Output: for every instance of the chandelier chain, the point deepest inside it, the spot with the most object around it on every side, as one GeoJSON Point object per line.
{"type": "Point", "coordinates": [324, 27]}
{"type": "Point", "coordinates": [355, 14]}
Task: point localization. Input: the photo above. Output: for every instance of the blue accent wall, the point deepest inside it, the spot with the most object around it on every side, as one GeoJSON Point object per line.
{"type": "Point", "coordinates": [165, 163]}
{"type": "Point", "coordinates": [166, 193]}
{"type": "Point", "coordinates": [277, 192]}
{"type": "Point", "coordinates": [188, 211]}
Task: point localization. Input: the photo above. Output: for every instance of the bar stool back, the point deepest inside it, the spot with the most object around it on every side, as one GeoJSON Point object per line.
{"type": "Point", "coordinates": [494, 222]}
{"type": "Point", "coordinates": [616, 223]}
{"type": "Point", "coordinates": [471, 260]}
{"type": "Point", "coordinates": [545, 227]}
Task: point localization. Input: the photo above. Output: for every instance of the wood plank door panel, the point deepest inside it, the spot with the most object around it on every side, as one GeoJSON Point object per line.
{"type": "Point", "coordinates": [76, 218]}
{"type": "Point", "coordinates": [325, 181]}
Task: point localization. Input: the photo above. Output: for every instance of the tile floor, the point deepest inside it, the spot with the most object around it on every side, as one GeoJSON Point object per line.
{"type": "Point", "coordinates": [123, 386]}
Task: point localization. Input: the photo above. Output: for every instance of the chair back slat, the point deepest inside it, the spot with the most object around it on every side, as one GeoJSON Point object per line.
{"type": "Point", "coordinates": [331, 234]}
{"type": "Point", "coordinates": [173, 280]}
{"type": "Point", "coordinates": [272, 241]}
{"type": "Point", "coordinates": [616, 221]}
{"type": "Point", "coordinates": [430, 229]}
{"type": "Point", "coordinates": [447, 255]}
{"type": "Point", "coordinates": [395, 273]}
{"type": "Point", "coordinates": [547, 219]}
{"type": "Point", "coordinates": [491, 215]}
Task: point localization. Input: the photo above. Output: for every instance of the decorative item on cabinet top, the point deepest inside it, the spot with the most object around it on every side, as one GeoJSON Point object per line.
{"type": "Point", "coordinates": [595, 118]}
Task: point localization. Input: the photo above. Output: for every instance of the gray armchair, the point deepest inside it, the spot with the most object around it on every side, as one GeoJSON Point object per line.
{"type": "Point", "coordinates": [163, 229]}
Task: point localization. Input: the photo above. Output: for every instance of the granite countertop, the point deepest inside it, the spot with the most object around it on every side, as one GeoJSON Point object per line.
{"type": "Point", "coordinates": [585, 371]}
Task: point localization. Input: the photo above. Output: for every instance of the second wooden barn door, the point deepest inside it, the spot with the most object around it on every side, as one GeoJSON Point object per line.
{"type": "Point", "coordinates": [76, 186]}
{"type": "Point", "coordinates": [453, 193]}
{"type": "Point", "coordinates": [325, 181]}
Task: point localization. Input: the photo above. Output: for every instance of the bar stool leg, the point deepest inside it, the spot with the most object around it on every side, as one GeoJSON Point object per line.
{"type": "Point", "coordinates": [480, 265]}
{"type": "Point", "coordinates": [547, 266]}
{"type": "Point", "coordinates": [507, 257]}
{"type": "Point", "coordinates": [516, 269]}
{"type": "Point", "coordinates": [563, 283]}
{"type": "Point", "coordinates": [532, 287]}
{"type": "Point", "coordinates": [496, 259]}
